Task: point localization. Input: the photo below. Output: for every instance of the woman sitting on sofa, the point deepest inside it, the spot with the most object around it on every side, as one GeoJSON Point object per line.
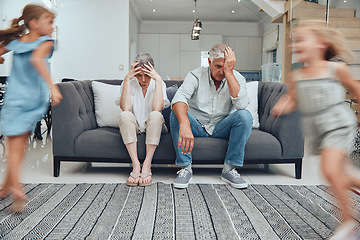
{"type": "Point", "coordinates": [143, 96]}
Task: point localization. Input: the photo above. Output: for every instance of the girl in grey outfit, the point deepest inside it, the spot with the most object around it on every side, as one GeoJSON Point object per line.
{"type": "Point", "coordinates": [317, 90]}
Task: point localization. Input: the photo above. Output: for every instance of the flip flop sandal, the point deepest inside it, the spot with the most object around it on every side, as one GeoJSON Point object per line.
{"type": "Point", "coordinates": [134, 176]}
{"type": "Point", "coordinates": [143, 176]}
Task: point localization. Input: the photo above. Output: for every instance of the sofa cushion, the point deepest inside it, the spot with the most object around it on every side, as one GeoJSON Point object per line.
{"type": "Point", "coordinates": [106, 111]}
{"type": "Point", "coordinates": [262, 145]}
{"type": "Point", "coordinates": [106, 142]}
{"type": "Point", "coordinates": [103, 142]}
{"type": "Point", "coordinates": [164, 153]}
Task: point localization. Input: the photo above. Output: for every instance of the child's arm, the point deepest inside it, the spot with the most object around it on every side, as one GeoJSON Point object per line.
{"type": "Point", "coordinates": [38, 60]}
{"type": "Point", "coordinates": [344, 75]}
{"type": "Point", "coordinates": [287, 103]}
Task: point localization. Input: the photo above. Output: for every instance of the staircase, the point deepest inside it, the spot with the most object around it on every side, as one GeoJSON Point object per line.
{"type": "Point", "coordinates": [341, 19]}
{"type": "Point", "coordinates": [314, 10]}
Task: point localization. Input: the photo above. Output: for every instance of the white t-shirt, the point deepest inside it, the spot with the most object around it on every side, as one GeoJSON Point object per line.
{"type": "Point", "coordinates": [141, 105]}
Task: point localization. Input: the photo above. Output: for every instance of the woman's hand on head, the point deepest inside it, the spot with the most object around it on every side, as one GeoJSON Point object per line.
{"type": "Point", "coordinates": [135, 69]}
{"type": "Point", "coordinates": [150, 71]}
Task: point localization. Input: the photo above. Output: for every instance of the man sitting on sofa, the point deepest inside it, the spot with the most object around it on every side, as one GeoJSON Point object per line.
{"type": "Point", "coordinates": [211, 102]}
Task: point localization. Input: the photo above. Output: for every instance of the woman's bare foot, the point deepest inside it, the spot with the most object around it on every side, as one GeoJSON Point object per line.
{"type": "Point", "coordinates": [133, 179]}
{"type": "Point", "coordinates": [146, 179]}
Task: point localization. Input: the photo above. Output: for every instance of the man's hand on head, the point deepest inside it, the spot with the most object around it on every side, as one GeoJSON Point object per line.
{"type": "Point", "coordinates": [230, 60]}
{"type": "Point", "coordinates": [229, 65]}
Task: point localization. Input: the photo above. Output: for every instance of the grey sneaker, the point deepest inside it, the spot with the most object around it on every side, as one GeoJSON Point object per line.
{"type": "Point", "coordinates": [233, 178]}
{"type": "Point", "coordinates": [182, 179]}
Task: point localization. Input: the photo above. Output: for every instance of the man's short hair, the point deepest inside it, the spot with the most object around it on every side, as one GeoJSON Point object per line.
{"type": "Point", "coordinates": [144, 58]}
{"type": "Point", "coordinates": [217, 51]}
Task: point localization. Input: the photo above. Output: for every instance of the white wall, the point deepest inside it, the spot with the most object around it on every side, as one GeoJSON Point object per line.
{"type": "Point", "coordinates": [184, 54]}
{"type": "Point", "coordinates": [11, 9]}
{"type": "Point", "coordinates": [93, 38]}
{"type": "Point", "coordinates": [2, 66]}
{"type": "Point", "coordinates": [243, 29]}
{"type": "Point", "coordinates": [134, 29]}
{"type": "Point", "coordinates": [1, 14]}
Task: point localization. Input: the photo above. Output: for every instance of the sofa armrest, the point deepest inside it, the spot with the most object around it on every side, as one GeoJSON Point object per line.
{"type": "Point", "coordinates": [74, 115]}
{"type": "Point", "coordinates": [287, 128]}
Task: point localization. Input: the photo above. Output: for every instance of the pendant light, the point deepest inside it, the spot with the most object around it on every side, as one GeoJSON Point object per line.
{"type": "Point", "coordinates": [197, 26]}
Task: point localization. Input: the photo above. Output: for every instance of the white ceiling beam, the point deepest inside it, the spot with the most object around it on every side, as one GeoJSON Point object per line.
{"type": "Point", "coordinates": [136, 11]}
{"type": "Point", "coordinates": [274, 8]}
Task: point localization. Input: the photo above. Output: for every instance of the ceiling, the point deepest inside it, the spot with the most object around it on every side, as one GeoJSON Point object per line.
{"type": "Point", "coordinates": [207, 10]}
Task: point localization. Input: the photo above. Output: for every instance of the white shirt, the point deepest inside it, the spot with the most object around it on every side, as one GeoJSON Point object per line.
{"type": "Point", "coordinates": [206, 103]}
{"type": "Point", "coordinates": [141, 105]}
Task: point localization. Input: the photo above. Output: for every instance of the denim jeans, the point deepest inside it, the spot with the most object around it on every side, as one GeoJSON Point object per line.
{"type": "Point", "coordinates": [236, 128]}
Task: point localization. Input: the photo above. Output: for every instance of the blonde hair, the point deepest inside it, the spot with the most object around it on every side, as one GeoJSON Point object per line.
{"type": "Point", "coordinates": [30, 12]}
{"type": "Point", "coordinates": [337, 49]}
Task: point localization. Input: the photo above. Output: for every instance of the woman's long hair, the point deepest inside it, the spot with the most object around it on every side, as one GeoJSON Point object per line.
{"type": "Point", "coordinates": [337, 48]}
{"type": "Point", "coordinates": [30, 12]}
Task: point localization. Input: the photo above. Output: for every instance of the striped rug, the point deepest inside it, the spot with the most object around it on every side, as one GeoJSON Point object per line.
{"type": "Point", "coordinates": [202, 211]}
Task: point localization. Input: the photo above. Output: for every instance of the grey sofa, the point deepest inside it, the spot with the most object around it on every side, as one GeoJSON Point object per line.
{"type": "Point", "coordinates": [76, 136]}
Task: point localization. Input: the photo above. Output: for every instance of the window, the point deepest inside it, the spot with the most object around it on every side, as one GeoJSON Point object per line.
{"type": "Point", "coordinates": [274, 55]}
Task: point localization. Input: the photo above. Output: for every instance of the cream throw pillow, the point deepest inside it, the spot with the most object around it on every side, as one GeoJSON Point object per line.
{"type": "Point", "coordinates": [106, 111]}
{"type": "Point", "coordinates": [252, 89]}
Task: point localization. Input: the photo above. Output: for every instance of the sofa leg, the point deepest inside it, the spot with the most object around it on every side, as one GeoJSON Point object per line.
{"type": "Point", "coordinates": [298, 168]}
{"type": "Point", "coordinates": [56, 167]}
{"type": "Point", "coordinates": [266, 167]}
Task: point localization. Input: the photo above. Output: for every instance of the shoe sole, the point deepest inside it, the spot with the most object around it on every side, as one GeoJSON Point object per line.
{"type": "Point", "coordinates": [235, 185]}
{"type": "Point", "coordinates": [182, 185]}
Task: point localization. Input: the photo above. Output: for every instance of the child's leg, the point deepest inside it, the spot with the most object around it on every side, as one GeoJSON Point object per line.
{"type": "Point", "coordinates": [332, 165]}
{"type": "Point", "coordinates": [5, 187]}
{"type": "Point", "coordinates": [16, 154]}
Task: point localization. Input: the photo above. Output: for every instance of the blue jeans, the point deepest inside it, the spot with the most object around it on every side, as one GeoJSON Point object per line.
{"type": "Point", "coordinates": [236, 128]}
